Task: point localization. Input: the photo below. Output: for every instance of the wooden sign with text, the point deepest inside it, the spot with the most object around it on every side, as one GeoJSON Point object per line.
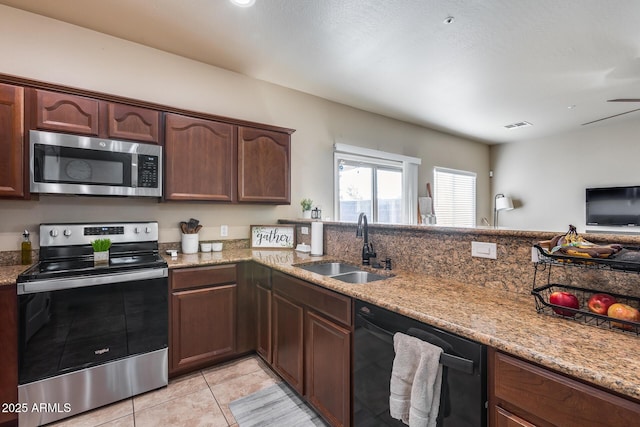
{"type": "Point", "coordinates": [273, 236]}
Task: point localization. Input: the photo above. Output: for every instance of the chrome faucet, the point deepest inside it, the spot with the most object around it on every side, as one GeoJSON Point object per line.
{"type": "Point", "coordinates": [367, 248]}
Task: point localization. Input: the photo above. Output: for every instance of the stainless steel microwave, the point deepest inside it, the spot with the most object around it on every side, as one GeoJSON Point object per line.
{"type": "Point", "coordinates": [72, 164]}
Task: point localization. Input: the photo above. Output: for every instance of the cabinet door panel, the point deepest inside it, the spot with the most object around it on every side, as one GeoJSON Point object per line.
{"type": "Point", "coordinates": [263, 310]}
{"type": "Point", "coordinates": [12, 141]}
{"type": "Point", "coordinates": [328, 368]}
{"type": "Point", "coordinates": [264, 166]}
{"type": "Point", "coordinates": [66, 113]}
{"type": "Point", "coordinates": [127, 122]}
{"type": "Point", "coordinates": [203, 325]}
{"type": "Point", "coordinates": [200, 159]}
{"type": "Point", "coordinates": [288, 341]}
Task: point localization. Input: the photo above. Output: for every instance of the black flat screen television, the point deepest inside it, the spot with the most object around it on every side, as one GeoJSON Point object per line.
{"type": "Point", "coordinates": [613, 206]}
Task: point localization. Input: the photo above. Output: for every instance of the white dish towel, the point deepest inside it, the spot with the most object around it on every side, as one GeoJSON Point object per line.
{"type": "Point", "coordinates": [416, 380]}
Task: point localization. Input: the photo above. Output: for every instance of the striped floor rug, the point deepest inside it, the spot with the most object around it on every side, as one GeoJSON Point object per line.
{"type": "Point", "coordinates": [277, 405]}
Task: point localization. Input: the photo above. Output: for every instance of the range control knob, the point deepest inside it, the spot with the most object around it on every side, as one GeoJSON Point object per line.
{"type": "Point", "coordinates": [53, 232]}
{"type": "Point", "coordinates": [147, 230]}
{"type": "Point", "coordinates": [136, 230]}
{"type": "Point", "coordinates": [67, 232]}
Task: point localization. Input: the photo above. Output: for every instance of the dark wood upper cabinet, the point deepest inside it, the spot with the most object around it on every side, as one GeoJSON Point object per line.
{"type": "Point", "coordinates": [75, 114]}
{"type": "Point", "coordinates": [66, 113]}
{"type": "Point", "coordinates": [128, 122]}
{"type": "Point", "coordinates": [200, 159]}
{"type": "Point", "coordinates": [12, 162]}
{"type": "Point", "coordinates": [264, 166]}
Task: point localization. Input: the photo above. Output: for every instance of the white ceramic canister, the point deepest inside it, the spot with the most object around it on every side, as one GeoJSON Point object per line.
{"type": "Point", "coordinates": [190, 243]}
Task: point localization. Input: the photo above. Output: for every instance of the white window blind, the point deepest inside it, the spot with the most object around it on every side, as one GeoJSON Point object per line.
{"type": "Point", "coordinates": [455, 197]}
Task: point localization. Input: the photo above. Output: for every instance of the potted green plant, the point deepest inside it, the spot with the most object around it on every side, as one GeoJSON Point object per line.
{"type": "Point", "coordinates": [101, 251]}
{"type": "Point", "coordinates": [306, 207]}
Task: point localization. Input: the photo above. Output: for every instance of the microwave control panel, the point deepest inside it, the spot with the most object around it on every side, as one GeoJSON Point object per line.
{"type": "Point", "coordinates": [148, 171]}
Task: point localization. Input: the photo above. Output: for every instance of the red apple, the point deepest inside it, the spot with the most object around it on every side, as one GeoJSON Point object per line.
{"type": "Point", "coordinates": [565, 299]}
{"type": "Point", "coordinates": [623, 312]}
{"type": "Point", "coordinates": [600, 303]}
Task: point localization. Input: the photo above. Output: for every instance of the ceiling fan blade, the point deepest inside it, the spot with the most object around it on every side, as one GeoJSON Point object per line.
{"type": "Point", "coordinates": [624, 100]}
{"type": "Point", "coordinates": [610, 117]}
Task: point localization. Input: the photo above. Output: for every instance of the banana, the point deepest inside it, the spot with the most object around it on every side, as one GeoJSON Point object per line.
{"type": "Point", "coordinates": [572, 244]}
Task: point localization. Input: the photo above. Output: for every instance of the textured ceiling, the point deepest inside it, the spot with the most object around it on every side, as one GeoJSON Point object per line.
{"type": "Point", "coordinates": [499, 62]}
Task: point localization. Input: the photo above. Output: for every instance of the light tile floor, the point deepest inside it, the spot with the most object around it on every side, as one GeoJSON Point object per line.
{"type": "Point", "coordinates": [198, 399]}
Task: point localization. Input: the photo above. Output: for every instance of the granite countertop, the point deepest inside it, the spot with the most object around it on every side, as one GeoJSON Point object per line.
{"type": "Point", "coordinates": [504, 320]}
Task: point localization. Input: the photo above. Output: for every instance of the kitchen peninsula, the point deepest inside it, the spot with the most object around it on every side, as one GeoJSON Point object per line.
{"type": "Point", "coordinates": [495, 311]}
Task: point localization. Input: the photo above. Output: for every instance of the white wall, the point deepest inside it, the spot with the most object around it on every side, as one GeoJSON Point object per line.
{"type": "Point", "coordinates": [43, 49]}
{"type": "Point", "coordinates": [547, 177]}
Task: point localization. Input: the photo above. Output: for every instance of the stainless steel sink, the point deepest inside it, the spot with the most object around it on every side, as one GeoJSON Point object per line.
{"type": "Point", "coordinates": [329, 268]}
{"type": "Point", "coordinates": [344, 272]}
{"type": "Point", "coordinates": [359, 277]}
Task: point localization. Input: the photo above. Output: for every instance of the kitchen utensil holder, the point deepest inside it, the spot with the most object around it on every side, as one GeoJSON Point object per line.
{"type": "Point", "coordinates": [189, 243]}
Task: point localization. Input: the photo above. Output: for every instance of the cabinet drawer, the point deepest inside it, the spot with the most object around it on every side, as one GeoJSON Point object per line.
{"type": "Point", "coordinates": [331, 304]}
{"type": "Point", "coordinates": [203, 276]}
{"type": "Point", "coordinates": [557, 399]}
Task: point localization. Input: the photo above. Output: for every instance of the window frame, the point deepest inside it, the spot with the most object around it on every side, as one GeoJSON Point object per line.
{"type": "Point", "coordinates": [438, 193]}
{"type": "Point", "coordinates": [407, 165]}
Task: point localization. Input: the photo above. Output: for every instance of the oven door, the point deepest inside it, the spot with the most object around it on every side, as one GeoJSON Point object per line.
{"type": "Point", "coordinates": [71, 164]}
{"type": "Point", "coordinates": [89, 322]}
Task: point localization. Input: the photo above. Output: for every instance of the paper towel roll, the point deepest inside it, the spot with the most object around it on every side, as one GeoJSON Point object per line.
{"type": "Point", "coordinates": [316, 238]}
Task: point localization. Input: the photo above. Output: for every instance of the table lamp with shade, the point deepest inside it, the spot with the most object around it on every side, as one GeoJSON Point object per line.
{"type": "Point", "coordinates": [500, 203]}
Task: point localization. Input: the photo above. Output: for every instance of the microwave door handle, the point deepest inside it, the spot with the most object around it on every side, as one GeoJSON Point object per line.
{"type": "Point", "coordinates": [134, 170]}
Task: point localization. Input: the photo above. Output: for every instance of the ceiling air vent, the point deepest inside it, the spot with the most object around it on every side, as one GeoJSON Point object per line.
{"type": "Point", "coordinates": [518, 125]}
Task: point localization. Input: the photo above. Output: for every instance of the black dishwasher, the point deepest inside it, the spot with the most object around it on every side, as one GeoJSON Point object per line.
{"type": "Point", "coordinates": [463, 398]}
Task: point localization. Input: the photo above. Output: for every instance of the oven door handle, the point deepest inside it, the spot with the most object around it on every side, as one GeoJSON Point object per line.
{"type": "Point", "coordinates": [446, 359]}
{"type": "Point", "coordinates": [86, 281]}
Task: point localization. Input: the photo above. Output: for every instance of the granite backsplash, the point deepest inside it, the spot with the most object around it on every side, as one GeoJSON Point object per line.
{"type": "Point", "coordinates": [446, 253]}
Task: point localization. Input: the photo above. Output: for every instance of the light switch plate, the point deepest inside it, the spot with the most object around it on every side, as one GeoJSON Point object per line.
{"type": "Point", "coordinates": [304, 230]}
{"type": "Point", "coordinates": [224, 231]}
{"type": "Point", "coordinates": [484, 250]}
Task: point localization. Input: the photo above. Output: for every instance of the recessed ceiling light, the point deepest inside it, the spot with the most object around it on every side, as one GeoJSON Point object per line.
{"type": "Point", "coordinates": [243, 3]}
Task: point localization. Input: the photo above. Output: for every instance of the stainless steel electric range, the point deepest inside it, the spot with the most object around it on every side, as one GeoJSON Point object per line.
{"type": "Point", "coordinates": [90, 335]}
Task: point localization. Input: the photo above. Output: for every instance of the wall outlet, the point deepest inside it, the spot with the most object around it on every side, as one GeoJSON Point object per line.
{"type": "Point", "coordinates": [484, 250]}
{"type": "Point", "coordinates": [304, 230]}
{"type": "Point", "coordinates": [224, 230]}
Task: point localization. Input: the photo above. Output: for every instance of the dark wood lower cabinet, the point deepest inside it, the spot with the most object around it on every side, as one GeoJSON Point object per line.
{"type": "Point", "coordinates": [204, 325]}
{"type": "Point", "coordinates": [8, 353]}
{"type": "Point", "coordinates": [204, 321]}
{"type": "Point", "coordinates": [328, 368]}
{"type": "Point", "coordinates": [524, 394]}
{"type": "Point", "coordinates": [288, 343]}
{"type": "Point", "coordinates": [312, 330]}
{"type": "Point", "coordinates": [263, 329]}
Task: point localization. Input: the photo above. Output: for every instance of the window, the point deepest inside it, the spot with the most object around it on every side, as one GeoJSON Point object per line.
{"type": "Point", "coordinates": [455, 197]}
{"type": "Point", "coordinates": [376, 183]}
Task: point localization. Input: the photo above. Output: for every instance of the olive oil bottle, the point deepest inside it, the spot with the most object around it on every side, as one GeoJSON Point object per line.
{"type": "Point", "coordinates": [26, 248]}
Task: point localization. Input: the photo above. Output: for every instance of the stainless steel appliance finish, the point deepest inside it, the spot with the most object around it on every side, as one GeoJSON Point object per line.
{"type": "Point", "coordinates": [91, 335]}
{"type": "Point", "coordinates": [72, 164]}
{"type": "Point", "coordinates": [463, 398]}
{"type": "Point", "coordinates": [111, 382]}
